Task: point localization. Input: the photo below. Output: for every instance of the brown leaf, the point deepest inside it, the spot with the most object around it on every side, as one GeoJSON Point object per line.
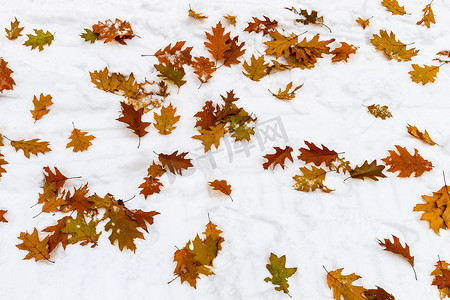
{"type": "Point", "coordinates": [316, 155]}
{"type": "Point", "coordinates": [306, 18]}
{"type": "Point", "coordinates": [444, 56]}
{"type": "Point", "coordinates": [78, 201]}
{"type": "Point", "coordinates": [166, 120]}
{"type": "Point", "coordinates": [423, 136]}
{"type": "Point", "coordinates": [406, 163]}
{"type": "Point", "coordinates": [207, 116]}
{"type": "Point", "coordinates": [80, 140]}
{"type": "Point", "coordinates": [393, 7]}
{"type": "Point", "coordinates": [222, 186]}
{"type": "Point", "coordinates": [36, 248]}
{"type": "Point", "coordinates": [142, 217]}
{"type": "Point", "coordinates": [133, 118]}
{"type": "Point", "coordinates": [441, 266]}
{"type": "Point", "coordinates": [175, 56]}
{"type": "Point", "coordinates": [2, 216]}
{"type": "Point", "coordinates": [150, 186]}
{"type": "Point", "coordinates": [397, 248]}
{"type": "Point", "coordinates": [442, 281]}
{"type": "Point", "coordinates": [218, 42]}
{"type": "Point", "coordinates": [367, 170]}
{"type": "Point", "coordinates": [58, 178]}
{"type": "Point", "coordinates": [57, 236]}
{"type": "Point", "coordinates": [230, 56]}
{"type": "Point", "coordinates": [363, 22]}
{"type": "Point", "coordinates": [155, 170]}
{"type": "Point", "coordinates": [33, 146]}
{"type": "Point", "coordinates": [278, 158]}
{"type": "Point", "coordinates": [175, 162]}
{"type": "Point", "coordinates": [343, 52]}
{"type": "Point", "coordinates": [378, 294]}
{"type": "Point", "coordinates": [114, 30]}
{"type": "Point", "coordinates": [265, 26]}
{"type": "Point", "coordinates": [40, 106]}
{"type": "Point", "coordinates": [203, 68]}
{"type": "Point", "coordinates": [379, 111]}
{"type": "Point", "coordinates": [186, 267]}
{"type": "Point", "coordinates": [6, 81]}
{"type": "Point", "coordinates": [15, 31]}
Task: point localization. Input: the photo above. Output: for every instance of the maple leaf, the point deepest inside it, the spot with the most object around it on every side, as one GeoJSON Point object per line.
{"type": "Point", "coordinates": [423, 136]}
{"type": "Point", "coordinates": [428, 16]}
{"type": "Point", "coordinates": [40, 106]}
{"type": "Point", "coordinates": [218, 42]}
{"type": "Point", "coordinates": [257, 68]}
{"type": "Point", "coordinates": [407, 163]}
{"type": "Point", "coordinates": [2, 163]}
{"type": "Point", "coordinates": [203, 68]}
{"type": "Point", "coordinates": [379, 111]}
{"type": "Point", "coordinates": [343, 285]}
{"type": "Point", "coordinates": [33, 146]}
{"type": "Point", "coordinates": [80, 140]}
{"type": "Point", "coordinates": [175, 162]}
{"type": "Point", "coordinates": [150, 186]}
{"type": "Point", "coordinates": [6, 82]}
{"type": "Point", "coordinates": [436, 210]}
{"type": "Point", "coordinates": [306, 18]}
{"type": "Point", "coordinates": [175, 56]}
{"type": "Point", "coordinates": [58, 236]}
{"type": "Point", "coordinates": [186, 267]}
{"type": "Point", "coordinates": [133, 118]}
{"type": "Point", "coordinates": [39, 40]}
{"type": "Point", "coordinates": [113, 30]}
{"type": "Point", "coordinates": [397, 248]}
{"type": "Point", "coordinates": [80, 231]}
{"type": "Point", "coordinates": [89, 36]}
{"type": "Point", "coordinates": [15, 30]}
{"type": "Point", "coordinates": [36, 248]}
{"type": "Point", "coordinates": [58, 178]}
{"type": "Point", "coordinates": [394, 7]}
{"type": "Point", "coordinates": [195, 15]}
{"type": "Point", "coordinates": [392, 48]}
{"type": "Point", "coordinates": [207, 116]}
{"type": "Point", "coordinates": [171, 74]}
{"type": "Point", "coordinates": [204, 250]}
{"type": "Point", "coordinates": [378, 294]}
{"type": "Point", "coordinates": [265, 26]}
{"type": "Point", "coordinates": [281, 44]}
{"type": "Point", "coordinates": [363, 22]}
{"type": "Point", "coordinates": [287, 94]}
{"type": "Point", "coordinates": [316, 155]}
{"type": "Point", "coordinates": [231, 19]}
{"type": "Point", "coordinates": [425, 74]}
{"type": "Point", "coordinates": [231, 55]}
{"type": "Point", "coordinates": [307, 52]}
{"type": "Point", "coordinates": [279, 272]}
{"type": "Point", "coordinates": [213, 232]}
{"type": "Point", "coordinates": [166, 120]}
{"type": "Point", "coordinates": [442, 270]}
{"type": "Point", "coordinates": [210, 136]}
{"type": "Point", "coordinates": [367, 170]}
{"type": "Point", "coordinates": [222, 186]}
{"type": "Point", "coordinates": [155, 170]}
{"type": "Point", "coordinates": [343, 52]}
{"type": "Point", "coordinates": [2, 216]}
{"type": "Point", "coordinates": [278, 158]}
{"type": "Point", "coordinates": [311, 180]}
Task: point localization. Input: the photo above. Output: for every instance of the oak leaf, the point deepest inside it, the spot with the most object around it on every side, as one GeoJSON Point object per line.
{"type": "Point", "coordinates": [142, 217]}
{"type": "Point", "coordinates": [186, 267]}
{"type": "Point", "coordinates": [393, 7]}
{"type": "Point", "coordinates": [230, 56]}
{"type": "Point", "coordinates": [218, 42]}
{"type": "Point", "coordinates": [265, 26]}
{"type": "Point", "coordinates": [281, 44]}
{"type": "Point", "coordinates": [49, 193]}
{"type": "Point", "coordinates": [39, 40]}
{"type": "Point", "coordinates": [80, 231]}
{"type": "Point", "coordinates": [442, 281]}
{"type": "Point", "coordinates": [166, 120]}
{"type": "Point", "coordinates": [343, 52]}
{"type": "Point", "coordinates": [195, 15]}
{"type": "Point", "coordinates": [278, 158]}
{"type": "Point", "coordinates": [171, 74]}
{"type": "Point", "coordinates": [363, 22]}
{"type": "Point", "coordinates": [311, 180]}
{"type": "Point", "coordinates": [222, 186]}
{"type": "Point", "coordinates": [392, 48]}
{"type": "Point", "coordinates": [231, 19]}
{"type": "Point", "coordinates": [15, 31]}
{"type": "Point", "coordinates": [89, 36]}
{"type": "Point", "coordinates": [406, 163]}
{"type": "Point", "coordinates": [257, 68]}
{"type": "Point", "coordinates": [2, 216]}
{"type": "Point", "coordinates": [58, 178]}
{"type": "Point", "coordinates": [213, 232]}
{"type": "Point", "coordinates": [343, 285]}
{"type": "Point", "coordinates": [210, 136]}
{"type": "Point", "coordinates": [150, 186]}
{"type": "Point", "coordinates": [397, 248]}
{"type": "Point", "coordinates": [341, 165]}
{"type": "Point", "coordinates": [443, 57]}
{"type": "Point", "coordinates": [78, 201]}
{"type": "Point", "coordinates": [6, 81]}
{"type": "Point", "coordinates": [80, 140]}
{"type": "Point", "coordinates": [378, 294]}
{"type": "Point", "coordinates": [287, 94]}
{"type": "Point", "coordinates": [33, 146]}
{"type": "Point", "coordinates": [207, 116]}
{"type": "Point", "coordinates": [307, 52]}
{"type": "Point", "coordinates": [305, 18]}
{"type": "Point", "coordinates": [428, 16]}
{"type": "Point", "coordinates": [133, 118]}
{"type": "Point", "coordinates": [41, 106]}
{"type": "Point", "coordinates": [175, 56]}
{"type": "Point", "coordinates": [442, 270]}
{"type": "Point", "coordinates": [203, 68]}
{"type": "Point", "coordinates": [423, 136]}
{"type": "Point", "coordinates": [57, 236]}
{"type": "Point", "coordinates": [379, 111]}
{"type": "Point", "coordinates": [2, 164]}
{"type": "Point", "coordinates": [436, 210]}
{"type": "Point", "coordinates": [155, 170]}
{"type": "Point", "coordinates": [36, 248]}
{"type": "Point", "coordinates": [316, 155]}
{"type": "Point", "coordinates": [425, 74]}
{"type": "Point", "coordinates": [175, 162]}
{"type": "Point", "coordinates": [113, 30]}
{"type": "Point", "coordinates": [279, 273]}
{"type": "Point", "coordinates": [367, 170]}
{"type": "Point", "coordinates": [52, 203]}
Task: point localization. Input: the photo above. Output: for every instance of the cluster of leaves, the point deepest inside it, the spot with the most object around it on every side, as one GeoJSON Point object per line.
{"type": "Point", "coordinates": [124, 223]}
{"type": "Point", "coordinates": [214, 121]}
{"type": "Point", "coordinates": [197, 256]}
{"type": "Point", "coordinates": [108, 31]}
{"type": "Point", "coordinates": [38, 40]}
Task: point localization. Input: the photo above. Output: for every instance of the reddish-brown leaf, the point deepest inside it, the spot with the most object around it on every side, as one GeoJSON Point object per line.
{"type": "Point", "coordinates": [175, 56]}
{"type": "Point", "coordinates": [222, 186]}
{"type": "Point", "coordinates": [175, 162]}
{"type": "Point", "coordinates": [278, 158]}
{"type": "Point", "coordinates": [117, 30]}
{"type": "Point", "coordinates": [397, 248]}
{"type": "Point", "coordinates": [218, 42]}
{"type": "Point", "coordinates": [57, 236]}
{"type": "Point", "coordinates": [230, 57]}
{"type": "Point", "coordinates": [142, 217]}
{"type": "Point", "coordinates": [150, 186]}
{"type": "Point", "coordinates": [133, 118]}
{"type": "Point", "coordinates": [57, 177]}
{"type": "Point", "coordinates": [316, 155]}
{"type": "Point", "coordinates": [343, 52]}
{"type": "Point", "coordinates": [78, 201]}
{"type": "Point", "coordinates": [207, 116]}
{"type": "Point", "coordinates": [442, 281]}
{"type": "Point", "coordinates": [6, 81]}
{"type": "Point", "coordinates": [203, 68]}
{"type": "Point", "coordinates": [406, 163]}
{"type": "Point", "coordinates": [265, 25]}
{"type": "Point", "coordinates": [2, 216]}
{"type": "Point", "coordinates": [378, 294]}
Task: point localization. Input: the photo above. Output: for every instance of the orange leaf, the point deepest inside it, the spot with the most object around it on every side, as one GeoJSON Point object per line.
{"type": "Point", "coordinates": [407, 163]}
{"type": "Point", "coordinates": [155, 170]}
{"type": "Point", "coordinates": [175, 56]}
{"type": "Point", "coordinates": [117, 30]}
{"type": "Point", "coordinates": [40, 106]}
{"type": "Point", "coordinates": [428, 16]}
{"type": "Point", "coordinates": [231, 55]}
{"type": "Point", "coordinates": [316, 155]}
{"type": "Point", "coordinates": [281, 44]}
{"type": "Point", "coordinates": [132, 118]}
{"type": "Point", "coordinates": [222, 186]}
{"type": "Point", "coordinates": [166, 120]}
{"type": "Point", "coordinates": [186, 267]}
{"type": "Point", "coordinates": [393, 7]}
{"type": "Point", "coordinates": [2, 163]}
{"type": "Point", "coordinates": [265, 25]}
{"type": "Point", "coordinates": [36, 248]}
{"type": "Point", "coordinates": [57, 236]}
{"type": "Point", "coordinates": [343, 52]}
{"type": "Point", "coordinates": [33, 146]}
{"type": "Point", "coordinates": [15, 31]}
{"type": "Point", "coordinates": [175, 162]}
{"type": "Point", "coordinates": [423, 136]}
{"type": "Point", "coordinates": [2, 216]}
{"type": "Point", "coordinates": [218, 42]}
{"type": "Point", "coordinates": [150, 186]}
{"type": "Point", "coordinates": [80, 140]}
{"type": "Point", "coordinates": [6, 82]}
{"type": "Point", "coordinates": [363, 23]}
{"type": "Point", "coordinates": [58, 178]}
{"type": "Point", "coordinates": [278, 158]}
{"type": "Point", "coordinates": [203, 68]}
{"type": "Point", "coordinates": [195, 15]}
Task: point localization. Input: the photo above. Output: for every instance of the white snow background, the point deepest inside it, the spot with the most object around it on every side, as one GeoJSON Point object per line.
{"type": "Point", "coordinates": [336, 230]}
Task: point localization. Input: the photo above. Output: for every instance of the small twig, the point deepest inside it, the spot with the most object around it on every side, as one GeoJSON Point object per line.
{"type": "Point", "coordinates": [129, 199]}
{"type": "Point", "coordinates": [37, 214]}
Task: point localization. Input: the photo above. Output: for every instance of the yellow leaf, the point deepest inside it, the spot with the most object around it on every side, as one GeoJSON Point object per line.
{"type": "Point", "coordinates": [36, 248]}
{"type": "Point", "coordinates": [394, 7]}
{"type": "Point", "coordinates": [423, 136]}
{"type": "Point", "coordinates": [428, 16]}
{"type": "Point", "coordinates": [166, 120]}
{"type": "Point", "coordinates": [196, 15]}
{"type": "Point", "coordinates": [80, 140]}
{"type": "Point", "coordinates": [311, 180]}
{"type": "Point", "coordinates": [257, 68]}
{"type": "Point", "coordinates": [364, 23]}
{"type": "Point", "coordinates": [343, 285]}
{"type": "Point", "coordinates": [40, 106]}
{"type": "Point", "coordinates": [231, 19]}
{"type": "Point", "coordinates": [15, 30]}
{"type": "Point", "coordinates": [392, 48]}
{"type": "Point", "coordinates": [287, 94]}
{"type": "Point", "coordinates": [423, 74]}
{"type": "Point", "coordinates": [33, 146]}
{"type": "Point", "coordinates": [211, 136]}
{"type": "Point", "coordinates": [281, 44]}
{"type": "Point", "coordinates": [436, 209]}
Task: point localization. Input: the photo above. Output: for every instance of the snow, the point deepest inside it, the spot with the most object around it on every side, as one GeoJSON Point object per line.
{"type": "Point", "coordinates": [336, 230]}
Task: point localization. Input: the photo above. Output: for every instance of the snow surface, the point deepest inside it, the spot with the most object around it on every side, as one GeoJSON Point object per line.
{"type": "Point", "coordinates": [313, 230]}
